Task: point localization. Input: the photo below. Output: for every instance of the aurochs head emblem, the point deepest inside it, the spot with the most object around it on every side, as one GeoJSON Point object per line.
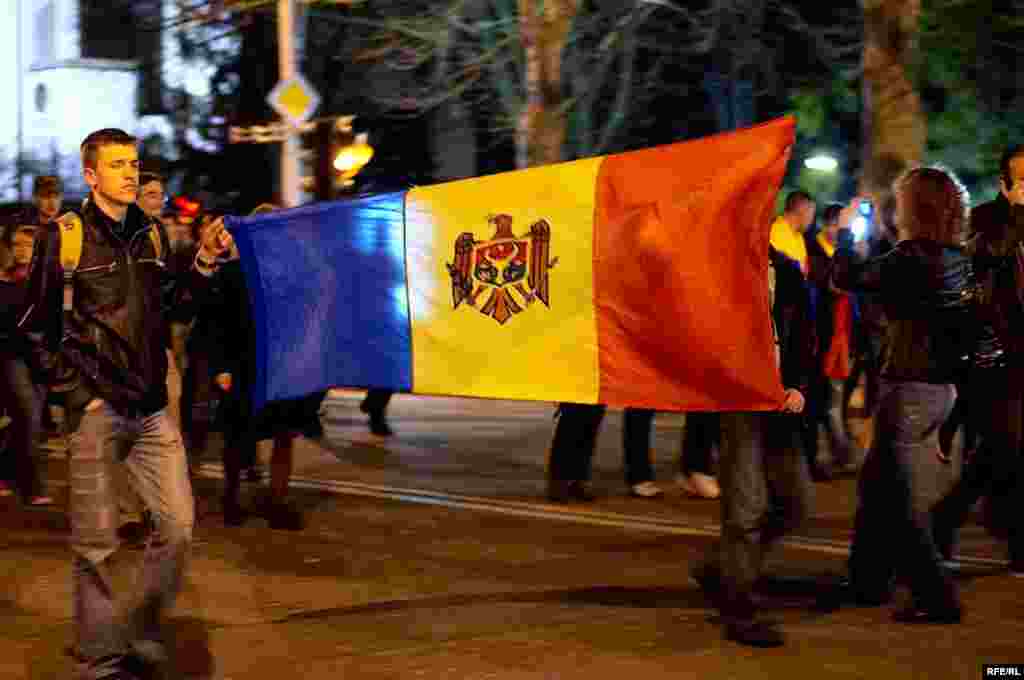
{"type": "Point", "coordinates": [505, 274]}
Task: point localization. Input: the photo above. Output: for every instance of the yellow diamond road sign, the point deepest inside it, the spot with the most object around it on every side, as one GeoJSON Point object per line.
{"type": "Point", "coordinates": [295, 99]}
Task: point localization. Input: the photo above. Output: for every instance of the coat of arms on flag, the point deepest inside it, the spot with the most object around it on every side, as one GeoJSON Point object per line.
{"type": "Point", "coordinates": [505, 274]}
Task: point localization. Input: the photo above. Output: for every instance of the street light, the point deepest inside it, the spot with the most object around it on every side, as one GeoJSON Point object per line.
{"type": "Point", "coordinates": [352, 158]}
{"type": "Point", "coordinates": [822, 163]}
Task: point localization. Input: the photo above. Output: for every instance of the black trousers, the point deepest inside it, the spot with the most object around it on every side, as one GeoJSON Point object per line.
{"type": "Point", "coordinates": [702, 434]}
{"type": "Point", "coordinates": [995, 470]}
{"type": "Point", "coordinates": [766, 493]}
{"type": "Point", "coordinates": [23, 401]}
{"type": "Point", "coordinates": [572, 450]}
{"type": "Point", "coordinates": [376, 402]}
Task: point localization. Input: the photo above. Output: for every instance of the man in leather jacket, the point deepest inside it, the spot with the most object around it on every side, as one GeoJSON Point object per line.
{"type": "Point", "coordinates": [996, 380]}
{"type": "Point", "coordinates": [111, 340]}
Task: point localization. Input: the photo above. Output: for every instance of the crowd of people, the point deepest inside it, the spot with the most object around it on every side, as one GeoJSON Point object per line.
{"type": "Point", "coordinates": [929, 308]}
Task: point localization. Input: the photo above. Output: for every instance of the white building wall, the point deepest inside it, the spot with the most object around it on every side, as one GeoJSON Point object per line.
{"type": "Point", "coordinates": [77, 96]}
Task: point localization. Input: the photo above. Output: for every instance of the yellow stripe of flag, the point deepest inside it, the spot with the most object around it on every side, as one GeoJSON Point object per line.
{"type": "Point", "coordinates": [500, 272]}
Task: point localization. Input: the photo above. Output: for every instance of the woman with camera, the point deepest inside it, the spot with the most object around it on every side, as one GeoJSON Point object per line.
{"type": "Point", "coordinates": [925, 285]}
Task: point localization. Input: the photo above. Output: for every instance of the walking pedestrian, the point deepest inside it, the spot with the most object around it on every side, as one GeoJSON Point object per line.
{"type": "Point", "coordinates": [834, 317]}
{"type": "Point", "coordinates": [572, 452]}
{"type": "Point", "coordinates": [702, 436]}
{"type": "Point", "coordinates": [281, 421]}
{"type": "Point", "coordinates": [925, 283]}
{"type": "Point", "coordinates": [22, 388]}
{"type": "Point", "coordinates": [112, 336]}
{"type": "Point", "coordinates": [766, 487]}
{"type": "Point", "coordinates": [995, 391]}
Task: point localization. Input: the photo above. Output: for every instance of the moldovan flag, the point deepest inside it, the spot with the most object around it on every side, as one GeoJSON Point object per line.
{"type": "Point", "coordinates": [636, 279]}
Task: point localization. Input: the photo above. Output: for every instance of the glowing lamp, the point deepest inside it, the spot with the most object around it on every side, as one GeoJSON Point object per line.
{"type": "Point", "coordinates": [822, 163]}
{"type": "Point", "coordinates": [352, 158]}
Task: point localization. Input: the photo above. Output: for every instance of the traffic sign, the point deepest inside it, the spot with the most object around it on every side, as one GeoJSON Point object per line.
{"type": "Point", "coordinates": [295, 99]}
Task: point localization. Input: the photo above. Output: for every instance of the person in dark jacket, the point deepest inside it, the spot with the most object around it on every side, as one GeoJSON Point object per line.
{"type": "Point", "coordinates": [111, 340]}
{"type": "Point", "coordinates": [995, 391]}
{"type": "Point", "coordinates": [764, 476]}
{"type": "Point", "coordinates": [925, 283]}
{"type": "Point", "coordinates": [281, 421]}
{"type": "Point", "coordinates": [834, 317]}
{"type": "Point", "coordinates": [21, 387]}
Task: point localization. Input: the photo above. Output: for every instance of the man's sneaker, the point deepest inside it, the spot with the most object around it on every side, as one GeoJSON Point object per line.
{"type": "Point", "coordinates": [944, 614]}
{"type": "Point", "coordinates": [133, 535]}
{"type": "Point", "coordinates": [379, 426]}
{"type": "Point", "coordinates": [754, 633]}
{"type": "Point", "coordinates": [284, 516]}
{"type": "Point", "coordinates": [700, 485]}
{"type": "Point", "coordinates": [842, 593]}
{"type": "Point", "coordinates": [234, 514]}
{"type": "Point", "coordinates": [708, 578]}
{"type": "Point", "coordinates": [254, 473]}
{"type": "Point", "coordinates": [567, 490]}
{"type": "Point", "coordinates": [118, 667]}
{"type": "Point", "coordinates": [314, 429]}
{"type": "Point", "coordinates": [645, 490]}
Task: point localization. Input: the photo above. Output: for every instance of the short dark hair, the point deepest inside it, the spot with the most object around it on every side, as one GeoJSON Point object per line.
{"type": "Point", "coordinates": [147, 177]}
{"type": "Point", "coordinates": [831, 213]}
{"type": "Point", "coordinates": [795, 198]}
{"type": "Point", "coordinates": [92, 144]}
{"type": "Point", "coordinates": [13, 223]}
{"type": "Point", "coordinates": [46, 185]}
{"type": "Point", "coordinates": [1015, 151]}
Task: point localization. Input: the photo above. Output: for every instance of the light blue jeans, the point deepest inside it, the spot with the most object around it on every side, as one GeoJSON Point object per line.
{"type": "Point", "coordinates": [153, 458]}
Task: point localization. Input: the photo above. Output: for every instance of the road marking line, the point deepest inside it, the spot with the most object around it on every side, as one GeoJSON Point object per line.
{"type": "Point", "coordinates": [541, 510]}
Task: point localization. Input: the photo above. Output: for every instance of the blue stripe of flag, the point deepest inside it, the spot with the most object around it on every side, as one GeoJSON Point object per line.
{"type": "Point", "coordinates": [328, 288]}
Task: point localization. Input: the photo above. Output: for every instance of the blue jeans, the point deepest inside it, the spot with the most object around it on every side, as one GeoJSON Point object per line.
{"type": "Point", "coordinates": [897, 487]}
{"type": "Point", "coordinates": [23, 401]}
{"type": "Point", "coordinates": [151, 453]}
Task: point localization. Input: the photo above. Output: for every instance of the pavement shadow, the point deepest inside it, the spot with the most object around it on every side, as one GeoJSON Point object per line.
{"type": "Point", "coordinates": [605, 596]}
{"type": "Point", "coordinates": [189, 649]}
{"type": "Point", "coordinates": [639, 598]}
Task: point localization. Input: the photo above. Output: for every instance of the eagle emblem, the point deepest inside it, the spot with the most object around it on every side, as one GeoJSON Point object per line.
{"type": "Point", "coordinates": [502, 276]}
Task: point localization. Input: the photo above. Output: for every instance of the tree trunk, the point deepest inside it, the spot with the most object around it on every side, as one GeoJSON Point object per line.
{"type": "Point", "coordinates": [894, 125]}
{"type": "Point", "coordinates": [544, 27]}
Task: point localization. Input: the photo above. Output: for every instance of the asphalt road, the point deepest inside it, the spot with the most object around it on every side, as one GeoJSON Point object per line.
{"type": "Point", "coordinates": [433, 554]}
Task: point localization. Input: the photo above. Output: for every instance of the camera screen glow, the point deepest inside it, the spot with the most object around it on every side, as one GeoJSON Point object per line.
{"type": "Point", "coordinates": [859, 226]}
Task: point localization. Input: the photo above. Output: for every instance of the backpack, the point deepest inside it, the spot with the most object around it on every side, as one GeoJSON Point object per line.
{"type": "Point", "coordinates": [72, 239]}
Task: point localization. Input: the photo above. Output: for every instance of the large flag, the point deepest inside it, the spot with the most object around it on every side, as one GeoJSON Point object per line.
{"type": "Point", "coordinates": [636, 279]}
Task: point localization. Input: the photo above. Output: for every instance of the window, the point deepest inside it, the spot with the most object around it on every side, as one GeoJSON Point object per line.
{"type": "Point", "coordinates": [43, 34]}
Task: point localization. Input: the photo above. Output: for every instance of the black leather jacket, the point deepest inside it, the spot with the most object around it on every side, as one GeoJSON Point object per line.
{"type": "Point", "coordinates": [791, 314]}
{"type": "Point", "coordinates": [113, 342]}
{"type": "Point", "coordinates": [997, 251]}
{"type": "Point", "coordinates": [928, 292]}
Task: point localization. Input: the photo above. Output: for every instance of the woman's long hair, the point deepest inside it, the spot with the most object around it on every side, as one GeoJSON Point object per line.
{"type": "Point", "coordinates": [934, 206]}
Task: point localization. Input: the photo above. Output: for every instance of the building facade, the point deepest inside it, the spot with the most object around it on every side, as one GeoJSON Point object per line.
{"type": "Point", "coordinates": [74, 66]}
